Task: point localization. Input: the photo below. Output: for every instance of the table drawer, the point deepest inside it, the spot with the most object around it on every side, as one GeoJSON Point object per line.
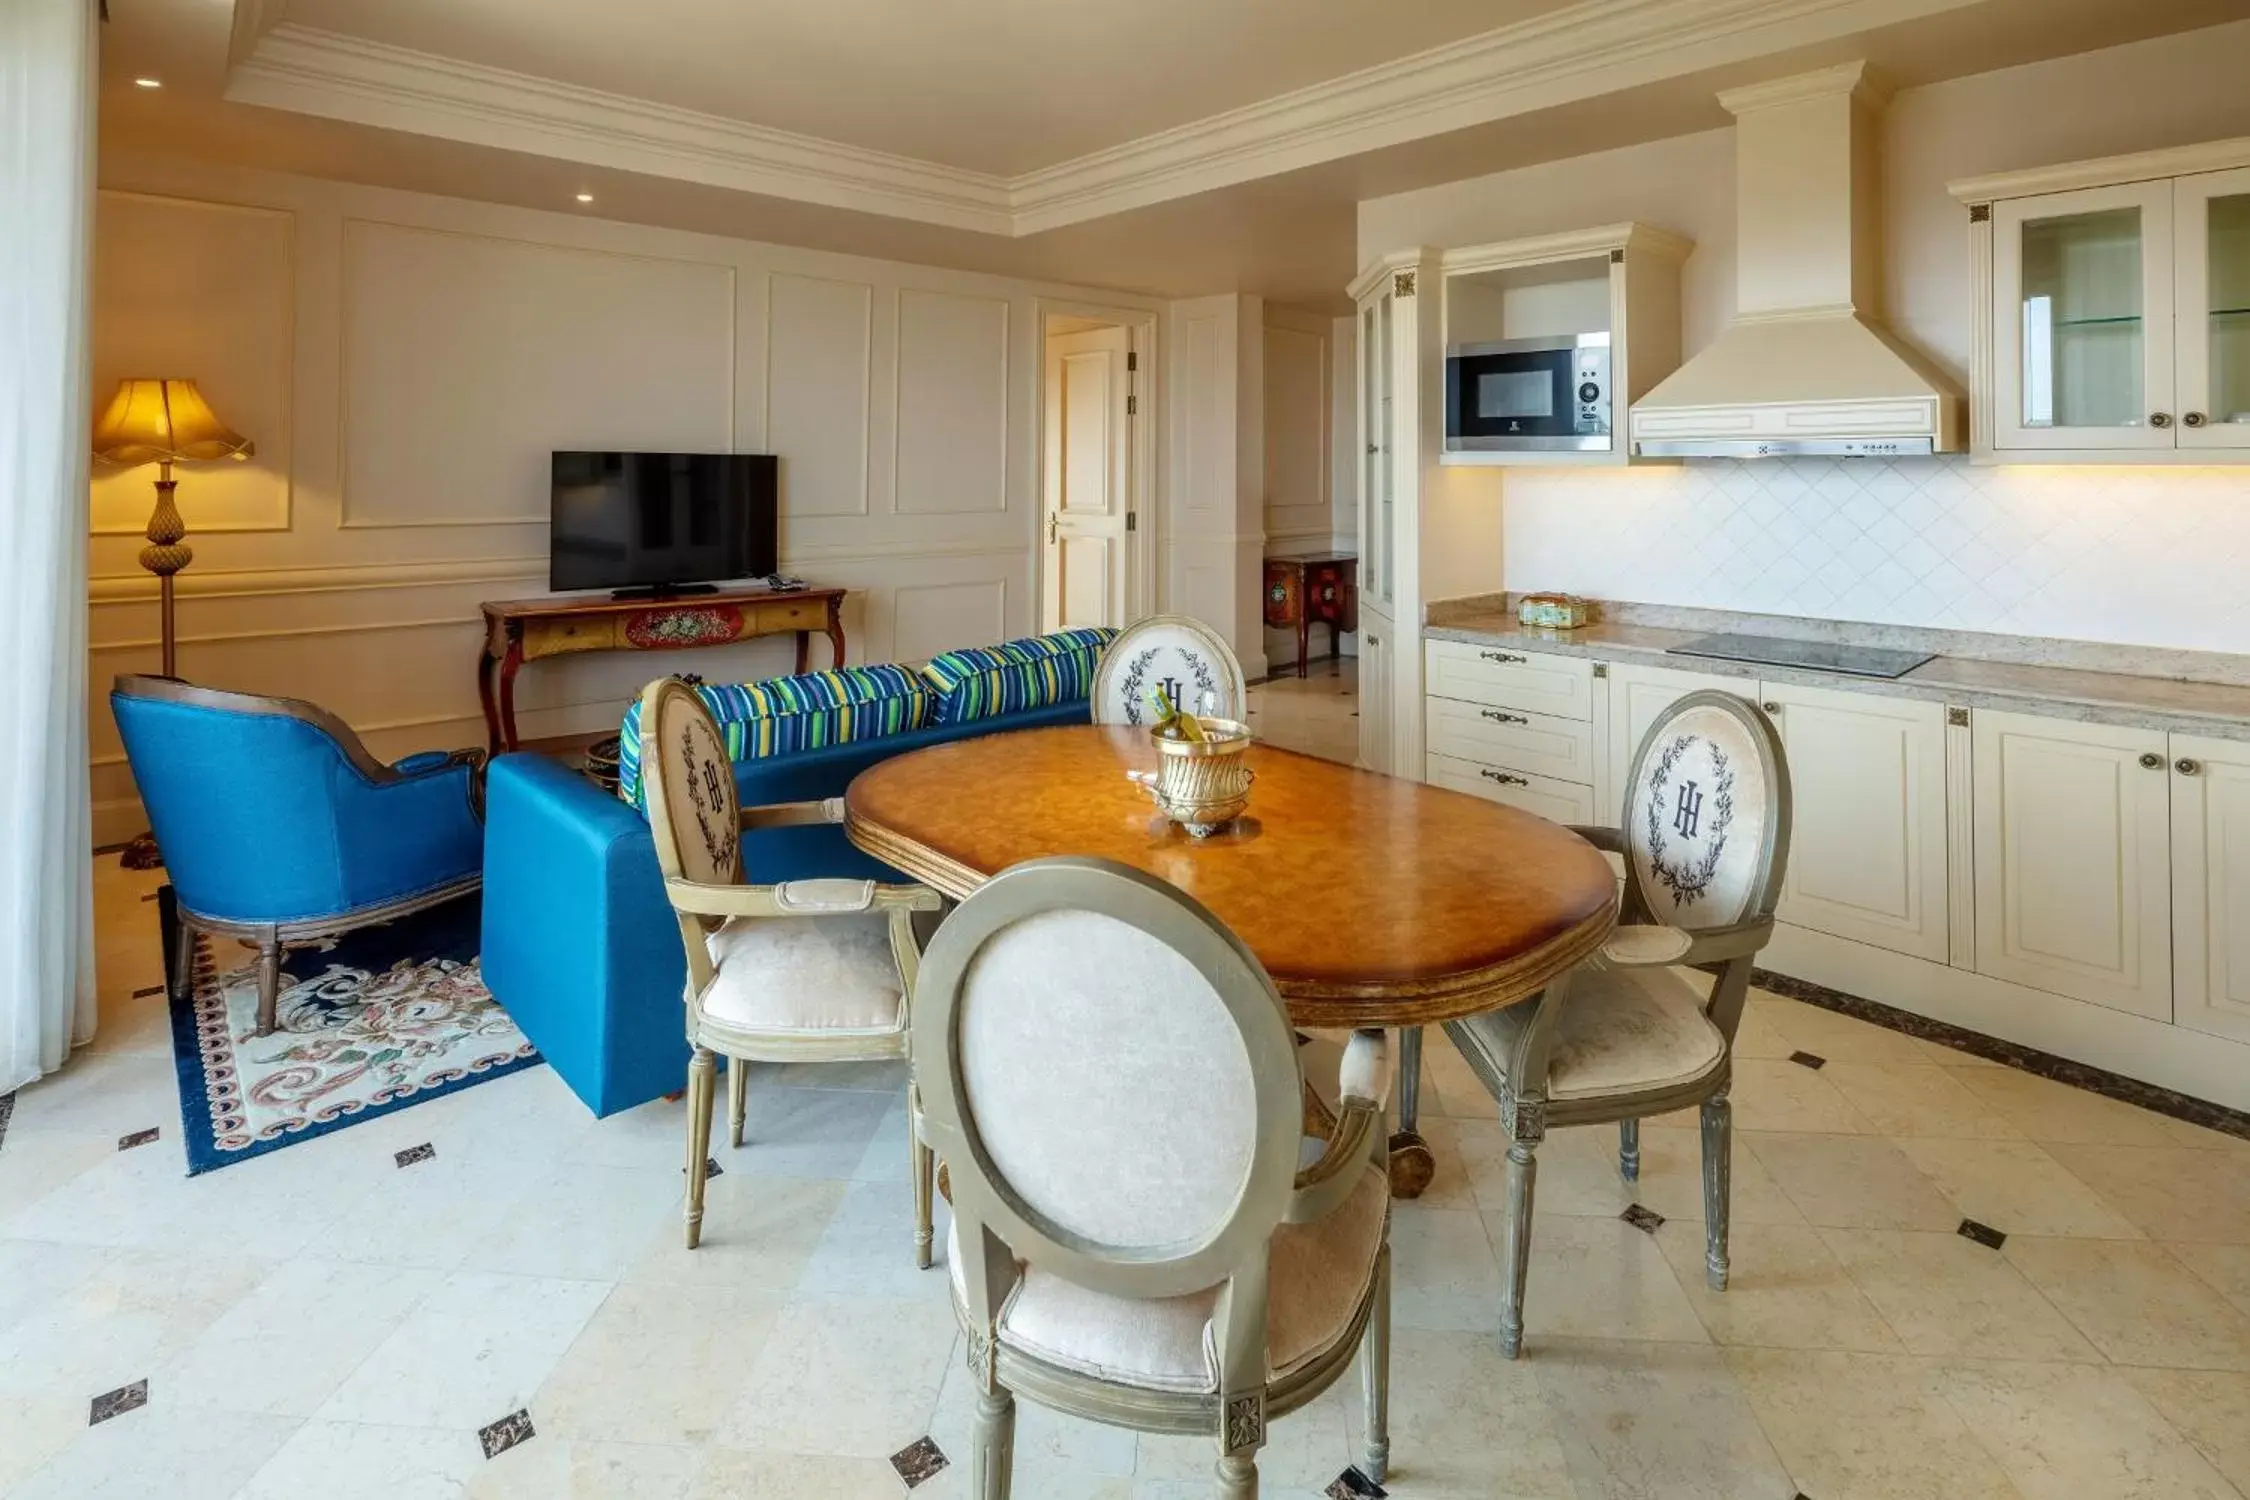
{"type": "Point", "coordinates": [791, 614]}
{"type": "Point", "coordinates": [1557, 801]}
{"type": "Point", "coordinates": [563, 634]}
{"type": "Point", "coordinates": [1539, 744]}
{"type": "Point", "coordinates": [1560, 686]}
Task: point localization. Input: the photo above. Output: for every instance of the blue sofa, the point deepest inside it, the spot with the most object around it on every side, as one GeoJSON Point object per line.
{"type": "Point", "coordinates": [580, 946]}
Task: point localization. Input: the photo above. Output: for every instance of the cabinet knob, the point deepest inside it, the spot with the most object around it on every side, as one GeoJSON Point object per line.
{"type": "Point", "coordinates": [2150, 760]}
{"type": "Point", "coordinates": [2186, 766]}
{"type": "Point", "coordinates": [2195, 419]}
{"type": "Point", "coordinates": [2159, 419]}
{"type": "Point", "coordinates": [1770, 706]}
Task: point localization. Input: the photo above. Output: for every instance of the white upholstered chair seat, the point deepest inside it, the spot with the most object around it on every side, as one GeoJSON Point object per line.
{"type": "Point", "coordinates": [1622, 1030]}
{"type": "Point", "coordinates": [830, 975]}
{"type": "Point", "coordinates": [1318, 1274]}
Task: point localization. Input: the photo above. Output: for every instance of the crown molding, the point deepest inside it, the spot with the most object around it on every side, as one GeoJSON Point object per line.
{"type": "Point", "coordinates": [2104, 171]}
{"type": "Point", "coordinates": [252, 20]}
{"type": "Point", "coordinates": [1583, 51]}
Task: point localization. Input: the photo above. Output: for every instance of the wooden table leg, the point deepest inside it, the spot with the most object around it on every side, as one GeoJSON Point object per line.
{"type": "Point", "coordinates": [1411, 1163]}
{"type": "Point", "coordinates": [487, 664]}
{"type": "Point", "coordinates": [1304, 636]}
{"type": "Point", "coordinates": [804, 652]}
{"type": "Point", "coordinates": [836, 632]}
{"type": "Point", "coordinates": [509, 666]}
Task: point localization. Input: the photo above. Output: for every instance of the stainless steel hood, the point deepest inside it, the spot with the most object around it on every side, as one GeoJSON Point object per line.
{"type": "Point", "coordinates": [1807, 366]}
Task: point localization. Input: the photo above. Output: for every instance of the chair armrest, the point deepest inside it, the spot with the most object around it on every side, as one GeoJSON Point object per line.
{"type": "Point", "coordinates": [794, 814]}
{"type": "Point", "coordinates": [422, 762]}
{"type": "Point", "coordinates": [1608, 840]}
{"type": "Point", "coordinates": [798, 898]}
{"type": "Point", "coordinates": [1644, 945]}
{"type": "Point", "coordinates": [1363, 1090]}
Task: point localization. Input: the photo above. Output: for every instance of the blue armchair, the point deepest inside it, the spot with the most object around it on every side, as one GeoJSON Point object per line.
{"type": "Point", "coordinates": [278, 826]}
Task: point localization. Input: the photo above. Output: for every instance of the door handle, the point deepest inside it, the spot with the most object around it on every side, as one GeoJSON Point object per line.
{"type": "Point", "coordinates": [2195, 419]}
{"type": "Point", "coordinates": [1054, 522]}
{"type": "Point", "coordinates": [1770, 706]}
{"type": "Point", "coordinates": [2159, 419]}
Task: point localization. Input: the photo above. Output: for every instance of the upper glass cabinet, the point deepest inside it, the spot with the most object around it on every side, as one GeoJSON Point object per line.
{"type": "Point", "coordinates": [2212, 213]}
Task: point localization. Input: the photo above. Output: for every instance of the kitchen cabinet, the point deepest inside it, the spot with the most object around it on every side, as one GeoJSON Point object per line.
{"type": "Point", "coordinates": [2211, 885]}
{"type": "Point", "coordinates": [2073, 859]}
{"type": "Point", "coordinates": [2112, 316]}
{"type": "Point", "coordinates": [1867, 856]}
{"type": "Point", "coordinates": [1376, 695]}
{"type": "Point", "coordinates": [1557, 801]}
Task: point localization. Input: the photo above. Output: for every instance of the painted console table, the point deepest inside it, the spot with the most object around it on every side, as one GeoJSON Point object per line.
{"type": "Point", "coordinates": [521, 630]}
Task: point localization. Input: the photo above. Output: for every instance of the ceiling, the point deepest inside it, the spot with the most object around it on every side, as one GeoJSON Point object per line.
{"type": "Point", "coordinates": [1150, 145]}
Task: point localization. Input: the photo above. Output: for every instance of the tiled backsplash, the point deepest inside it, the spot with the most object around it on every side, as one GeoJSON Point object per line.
{"type": "Point", "coordinates": [2142, 555]}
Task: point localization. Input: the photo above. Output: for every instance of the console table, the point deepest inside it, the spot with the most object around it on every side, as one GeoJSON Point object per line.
{"type": "Point", "coordinates": [521, 630]}
{"type": "Point", "coordinates": [1304, 587]}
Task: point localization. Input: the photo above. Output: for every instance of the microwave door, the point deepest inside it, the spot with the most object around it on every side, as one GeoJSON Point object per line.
{"type": "Point", "coordinates": [1526, 398]}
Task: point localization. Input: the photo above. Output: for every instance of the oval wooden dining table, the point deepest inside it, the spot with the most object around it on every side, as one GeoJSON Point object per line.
{"type": "Point", "coordinates": [1371, 900]}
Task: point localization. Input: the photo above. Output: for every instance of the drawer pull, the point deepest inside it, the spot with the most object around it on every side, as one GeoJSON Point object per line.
{"type": "Point", "coordinates": [1498, 717]}
{"type": "Point", "coordinates": [1502, 777]}
{"type": "Point", "coordinates": [1505, 657]}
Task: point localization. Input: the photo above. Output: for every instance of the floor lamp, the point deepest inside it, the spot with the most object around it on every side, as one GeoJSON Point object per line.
{"type": "Point", "coordinates": [163, 422]}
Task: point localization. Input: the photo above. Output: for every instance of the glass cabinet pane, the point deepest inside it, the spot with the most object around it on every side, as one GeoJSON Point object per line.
{"type": "Point", "coordinates": [1387, 490]}
{"type": "Point", "coordinates": [2083, 343]}
{"type": "Point", "coordinates": [2227, 246]}
{"type": "Point", "coordinates": [1373, 550]}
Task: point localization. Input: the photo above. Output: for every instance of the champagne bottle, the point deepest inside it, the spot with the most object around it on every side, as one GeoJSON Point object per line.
{"type": "Point", "coordinates": [1170, 722]}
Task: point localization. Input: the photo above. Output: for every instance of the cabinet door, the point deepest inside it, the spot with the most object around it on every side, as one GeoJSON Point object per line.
{"type": "Point", "coordinates": [1542, 796]}
{"type": "Point", "coordinates": [2211, 222]}
{"type": "Point", "coordinates": [2082, 319]}
{"type": "Point", "coordinates": [1637, 696]}
{"type": "Point", "coordinates": [1375, 691]}
{"type": "Point", "coordinates": [2211, 885]}
{"type": "Point", "coordinates": [1378, 506]}
{"type": "Point", "coordinates": [1867, 848]}
{"type": "Point", "coordinates": [2073, 857]}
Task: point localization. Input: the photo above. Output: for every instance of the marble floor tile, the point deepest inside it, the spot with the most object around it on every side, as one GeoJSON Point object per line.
{"type": "Point", "coordinates": [1656, 1422]}
{"type": "Point", "coordinates": [277, 1206]}
{"type": "Point", "coordinates": [867, 1247]}
{"type": "Point", "coordinates": [735, 1474]}
{"type": "Point", "coordinates": [1785, 1290]}
{"type": "Point", "coordinates": [1917, 1099]}
{"type": "Point", "coordinates": [1837, 1037]}
{"type": "Point", "coordinates": [169, 1448]}
{"type": "Point", "coordinates": [2170, 1192]}
{"type": "Point", "coordinates": [845, 1377]}
{"type": "Point", "coordinates": [1850, 1182]}
{"type": "Point", "coordinates": [1444, 1273]}
{"type": "Point", "coordinates": [432, 1214]}
{"type": "Point", "coordinates": [1759, 1034]}
{"type": "Point", "coordinates": [803, 1132]}
{"type": "Point", "coordinates": [2017, 1188]}
{"type": "Point", "coordinates": [657, 1365]}
{"type": "Point", "coordinates": [119, 1198]}
{"type": "Point", "coordinates": [1453, 1144]}
{"type": "Point", "coordinates": [2071, 1432]}
{"type": "Point", "coordinates": [478, 1347]}
{"type": "Point", "coordinates": [553, 1468]}
{"type": "Point", "coordinates": [33, 1429]}
{"type": "Point", "coordinates": [1865, 1427]}
{"type": "Point", "coordinates": [1055, 1452]}
{"type": "Point", "coordinates": [758, 1232]}
{"type": "Point", "coordinates": [2224, 1267]}
{"type": "Point", "coordinates": [582, 1223]}
{"type": "Point", "coordinates": [1784, 1096]}
{"type": "Point", "coordinates": [2046, 1110]}
{"type": "Point", "coordinates": [38, 1162]}
{"type": "Point", "coordinates": [128, 1319]}
{"type": "Point", "coordinates": [2210, 1408]}
{"type": "Point", "coordinates": [1949, 1297]}
{"type": "Point", "coordinates": [34, 1273]}
{"type": "Point", "coordinates": [1305, 1450]}
{"type": "Point", "coordinates": [1448, 1086]}
{"type": "Point", "coordinates": [1468, 1424]}
{"type": "Point", "coordinates": [353, 1461]}
{"type": "Point", "coordinates": [102, 1093]}
{"type": "Point", "coordinates": [1601, 1279]}
{"type": "Point", "coordinates": [1578, 1175]}
{"type": "Point", "coordinates": [286, 1347]}
{"type": "Point", "coordinates": [2136, 1301]}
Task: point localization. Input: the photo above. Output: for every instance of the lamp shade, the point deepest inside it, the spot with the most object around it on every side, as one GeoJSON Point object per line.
{"type": "Point", "coordinates": [162, 421]}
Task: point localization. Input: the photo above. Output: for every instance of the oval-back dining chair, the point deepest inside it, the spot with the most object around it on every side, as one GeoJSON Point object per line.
{"type": "Point", "coordinates": [803, 971]}
{"type": "Point", "coordinates": [1705, 840]}
{"type": "Point", "coordinates": [1185, 657]}
{"type": "Point", "coordinates": [1113, 1083]}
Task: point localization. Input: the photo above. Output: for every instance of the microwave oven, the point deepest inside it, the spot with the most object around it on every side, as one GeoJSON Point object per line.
{"type": "Point", "coordinates": [1528, 395]}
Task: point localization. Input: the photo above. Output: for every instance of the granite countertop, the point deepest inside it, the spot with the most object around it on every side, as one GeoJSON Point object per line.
{"type": "Point", "coordinates": [2063, 678]}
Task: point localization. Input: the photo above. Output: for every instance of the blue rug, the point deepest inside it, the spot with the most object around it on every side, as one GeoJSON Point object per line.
{"type": "Point", "coordinates": [368, 1023]}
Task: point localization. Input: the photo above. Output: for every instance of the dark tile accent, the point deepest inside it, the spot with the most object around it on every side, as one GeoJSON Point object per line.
{"type": "Point", "coordinates": [1983, 1234]}
{"type": "Point", "coordinates": [414, 1154]}
{"type": "Point", "coordinates": [1353, 1485]}
{"type": "Point", "coordinates": [1646, 1220]}
{"type": "Point", "coordinates": [919, 1460]}
{"type": "Point", "coordinates": [147, 990]}
{"type": "Point", "coordinates": [118, 1402]}
{"type": "Point", "coordinates": [711, 1169]}
{"type": "Point", "coordinates": [137, 1138]}
{"type": "Point", "coordinates": [508, 1432]}
{"type": "Point", "coordinates": [1808, 1060]}
{"type": "Point", "coordinates": [2080, 1075]}
{"type": "Point", "coordinates": [7, 1113]}
{"type": "Point", "coordinates": [148, 895]}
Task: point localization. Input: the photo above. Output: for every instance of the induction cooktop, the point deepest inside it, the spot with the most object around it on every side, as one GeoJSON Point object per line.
{"type": "Point", "coordinates": [1815, 656]}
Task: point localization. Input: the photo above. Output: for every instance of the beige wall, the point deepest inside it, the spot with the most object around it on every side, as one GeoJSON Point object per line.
{"type": "Point", "coordinates": [2144, 555]}
{"type": "Point", "coordinates": [1214, 531]}
{"type": "Point", "coordinates": [405, 363]}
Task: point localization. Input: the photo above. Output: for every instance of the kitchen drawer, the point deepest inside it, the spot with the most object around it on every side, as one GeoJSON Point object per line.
{"type": "Point", "coordinates": [1539, 744]}
{"type": "Point", "coordinates": [1559, 686]}
{"type": "Point", "coordinates": [1559, 801]}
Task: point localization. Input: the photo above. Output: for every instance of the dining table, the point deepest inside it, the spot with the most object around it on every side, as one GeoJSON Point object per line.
{"type": "Point", "coordinates": [1371, 900]}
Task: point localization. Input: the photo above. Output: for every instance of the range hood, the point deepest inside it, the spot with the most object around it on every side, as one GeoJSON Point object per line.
{"type": "Point", "coordinates": [1807, 366]}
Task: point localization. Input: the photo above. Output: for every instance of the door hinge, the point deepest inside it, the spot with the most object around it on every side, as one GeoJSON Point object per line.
{"type": "Point", "coordinates": [1132, 360]}
{"type": "Point", "coordinates": [1132, 406]}
{"type": "Point", "coordinates": [1132, 520]}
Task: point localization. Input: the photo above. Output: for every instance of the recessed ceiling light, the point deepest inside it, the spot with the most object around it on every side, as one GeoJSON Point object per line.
{"type": "Point", "coordinates": [585, 197]}
{"type": "Point", "coordinates": [148, 83]}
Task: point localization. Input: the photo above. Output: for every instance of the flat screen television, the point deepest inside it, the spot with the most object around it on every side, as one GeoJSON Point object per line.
{"type": "Point", "coordinates": [661, 523]}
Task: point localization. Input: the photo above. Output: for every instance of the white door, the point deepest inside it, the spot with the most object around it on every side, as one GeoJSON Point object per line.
{"type": "Point", "coordinates": [1375, 649]}
{"type": "Point", "coordinates": [1867, 847]}
{"type": "Point", "coordinates": [2211, 885]}
{"type": "Point", "coordinates": [2082, 319]}
{"type": "Point", "coordinates": [2073, 859]}
{"type": "Point", "coordinates": [1087, 484]}
{"type": "Point", "coordinates": [1638, 696]}
{"type": "Point", "coordinates": [2211, 236]}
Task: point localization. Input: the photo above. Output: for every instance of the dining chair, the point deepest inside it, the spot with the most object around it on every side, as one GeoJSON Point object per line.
{"type": "Point", "coordinates": [279, 826]}
{"type": "Point", "coordinates": [1185, 657]}
{"type": "Point", "coordinates": [1113, 1080]}
{"type": "Point", "coordinates": [1705, 841]}
{"type": "Point", "coordinates": [803, 971]}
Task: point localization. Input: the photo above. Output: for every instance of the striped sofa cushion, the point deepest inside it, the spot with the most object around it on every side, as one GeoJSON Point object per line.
{"type": "Point", "coordinates": [785, 714]}
{"type": "Point", "coordinates": [983, 681]}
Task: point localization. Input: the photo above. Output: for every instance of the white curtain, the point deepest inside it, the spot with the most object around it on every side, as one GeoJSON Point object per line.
{"type": "Point", "coordinates": [47, 80]}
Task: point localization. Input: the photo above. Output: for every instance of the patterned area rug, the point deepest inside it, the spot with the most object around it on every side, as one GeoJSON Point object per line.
{"type": "Point", "coordinates": [369, 1023]}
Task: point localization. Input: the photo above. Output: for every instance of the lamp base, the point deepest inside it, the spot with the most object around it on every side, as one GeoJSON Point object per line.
{"type": "Point", "coordinates": [141, 854]}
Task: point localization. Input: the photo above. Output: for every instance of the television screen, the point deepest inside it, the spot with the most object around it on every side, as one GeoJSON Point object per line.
{"type": "Point", "coordinates": [661, 520]}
